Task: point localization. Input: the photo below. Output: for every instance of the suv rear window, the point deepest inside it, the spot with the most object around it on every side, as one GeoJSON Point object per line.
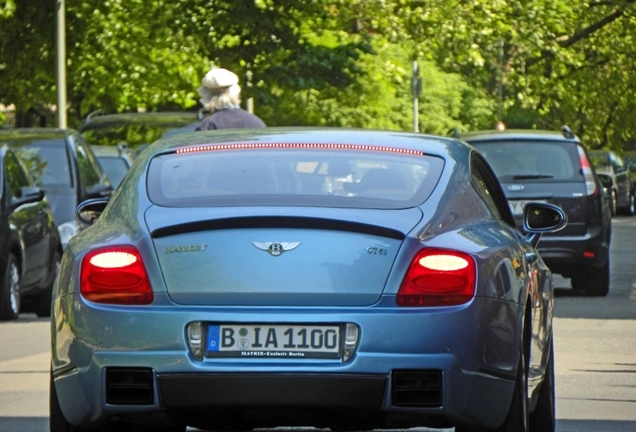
{"type": "Point", "coordinates": [532, 160]}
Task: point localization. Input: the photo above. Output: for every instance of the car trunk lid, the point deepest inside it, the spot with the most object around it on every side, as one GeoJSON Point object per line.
{"type": "Point", "coordinates": [340, 258]}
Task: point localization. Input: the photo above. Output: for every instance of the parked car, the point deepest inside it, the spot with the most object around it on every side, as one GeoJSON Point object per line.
{"type": "Point", "coordinates": [630, 160]}
{"type": "Point", "coordinates": [136, 129]}
{"type": "Point", "coordinates": [30, 248]}
{"type": "Point", "coordinates": [554, 167]}
{"type": "Point", "coordinates": [232, 272]}
{"type": "Point", "coordinates": [61, 163]}
{"type": "Point", "coordinates": [115, 161]}
{"type": "Point", "coordinates": [621, 187]}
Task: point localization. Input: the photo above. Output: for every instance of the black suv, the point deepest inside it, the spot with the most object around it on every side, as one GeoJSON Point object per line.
{"type": "Point", "coordinates": [63, 164]}
{"type": "Point", "coordinates": [554, 167]}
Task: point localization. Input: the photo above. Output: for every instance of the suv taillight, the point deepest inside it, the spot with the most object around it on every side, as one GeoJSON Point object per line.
{"type": "Point", "coordinates": [115, 275]}
{"type": "Point", "coordinates": [438, 277]}
{"type": "Point", "coordinates": [586, 170]}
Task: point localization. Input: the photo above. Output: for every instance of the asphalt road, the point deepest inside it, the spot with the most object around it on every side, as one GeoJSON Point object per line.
{"type": "Point", "coordinates": [595, 350]}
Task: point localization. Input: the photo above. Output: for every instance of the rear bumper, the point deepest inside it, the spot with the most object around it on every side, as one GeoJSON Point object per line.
{"type": "Point", "coordinates": [564, 255]}
{"type": "Point", "coordinates": [245, 400]}
{"type": "Point", "coordinates": [475, 359]}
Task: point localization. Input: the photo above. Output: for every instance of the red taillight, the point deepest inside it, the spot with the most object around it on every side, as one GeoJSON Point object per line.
{"type": "Point", "coordinates": [438, 277]}
{"type": "Point", "coordinates": [586, 170]}
{"type": "Point", "coordinates": [115, 275]}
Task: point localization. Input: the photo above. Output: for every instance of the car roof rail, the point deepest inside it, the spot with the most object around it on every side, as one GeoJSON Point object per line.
{"type": "Point", "coordinates": [567, 132]}
{"type": "Point", "coordinates": [99, 112]}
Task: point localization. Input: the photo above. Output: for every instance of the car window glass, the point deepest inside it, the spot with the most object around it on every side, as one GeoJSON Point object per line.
{"type": "Point", "coordinates": [87, 165]}
{"type": "Point", "coordinates": [337, 178]}
{"type": "Point", "coordinates": [540, 161]}
{"type": "Point", "coordinates": [600, 160]}
{"type": "Point", "coordinates": [618, 163]}
{"type": "Point", "coordinates": [48, 162]}
{"type": "Point", "coordinates": [484, 191]}
{"type": "Point", "coordinates": [15, 175]}
{"type": "Point", "coordinates": [115, 168]}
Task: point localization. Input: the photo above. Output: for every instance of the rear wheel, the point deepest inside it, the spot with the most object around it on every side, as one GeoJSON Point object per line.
{"type": "Point", "coordinates": [613, 203]}
{"type": "Point", "coordinates": [594, 282]}
{"type": "Point", "coordinates": [10, 291]}
{"type": "Point", "coordinates": [542, 419]}
{"type": "Point", "coordinates": [631, 206]}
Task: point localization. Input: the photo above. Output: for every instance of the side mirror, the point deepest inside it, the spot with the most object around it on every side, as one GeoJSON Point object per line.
{"type": "Point", "coordinates": [89, 210]}
{"type": "Point", "coordinates": [97, 191]}
{"type": "Point", "coordinates": [606, 180]}
{"type": "Point", "coordinates": [28, 194]}
{"type": "Point", "coordinates": [539, 218]}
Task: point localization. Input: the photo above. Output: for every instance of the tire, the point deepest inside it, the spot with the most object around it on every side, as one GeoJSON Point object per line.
{"type": "Point", "coordinates": [10, 291]}
{"type": "Point", "coordinates": [43, 302]}
{"type": "Point", "coordinates": [543, 418]}
{"type": "Point", "coordinates": [613, 204]}
{"type": "Point", "coordinates": [517, 419]}
{"type": "Point", "coordinates": [631, 207]}
{"type": "Point", "coordinates": [594, 282]}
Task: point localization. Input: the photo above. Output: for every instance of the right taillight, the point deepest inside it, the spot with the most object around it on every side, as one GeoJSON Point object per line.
{"type": "Point", "coordinates": [438, 277]}
{"type": "Point", "coordinates": [115, 275]}
{"type": "Point", "coordinates": [586, 170]}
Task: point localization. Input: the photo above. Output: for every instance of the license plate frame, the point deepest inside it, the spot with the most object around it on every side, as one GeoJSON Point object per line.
{"type": "Point", "coordinates": [274, 341]}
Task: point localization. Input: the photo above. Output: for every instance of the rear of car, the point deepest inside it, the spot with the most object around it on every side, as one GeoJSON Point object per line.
{"type": "Point", "coordinates": [555, 168]}
{"type": "Point", "coordinates": [309, 278]}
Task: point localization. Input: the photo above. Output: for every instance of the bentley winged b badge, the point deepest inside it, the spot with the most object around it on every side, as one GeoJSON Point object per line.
{"type": "Point", "coordinates": [276, 248]}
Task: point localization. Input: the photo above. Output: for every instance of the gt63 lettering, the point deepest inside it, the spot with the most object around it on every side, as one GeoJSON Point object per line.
{"type": "Point", "coordinates": [376, 251]}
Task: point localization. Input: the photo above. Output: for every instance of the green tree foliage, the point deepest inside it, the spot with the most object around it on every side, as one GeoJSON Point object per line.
{"type": "Point", "coordinates": [537, 63]}
{"type": "Point", "coordinates": [7, 8]}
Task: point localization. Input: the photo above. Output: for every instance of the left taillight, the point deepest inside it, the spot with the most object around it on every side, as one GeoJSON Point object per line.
{"type": "Point", "coordinates": [438, 277]}
{"type": "Point", "coordinates": [115, 275]}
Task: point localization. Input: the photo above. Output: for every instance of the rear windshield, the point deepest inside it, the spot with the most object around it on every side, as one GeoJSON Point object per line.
{"type": "Point", "coordinates": [311, 177]}
{"type": "Point", "coordinates": [539, 161]}
{"type": "Point", "coordinates": [47, 161]}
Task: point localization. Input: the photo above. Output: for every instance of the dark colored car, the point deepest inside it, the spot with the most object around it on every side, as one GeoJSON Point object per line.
{"type": "Point", "coordinates": [30, 248]}
{"type": "Point", "coordinates": [333, 278]}
{"type": "Point", "coordinates": [136, 129]}
{"type": "Point", "coordinates": [620, 186]}
{"type": "Point", "coordinates": [63, 164]}
{"type": "Point", "coordinates": [554, 167]}
{"type": "Point", "coordinates": [115, 161]}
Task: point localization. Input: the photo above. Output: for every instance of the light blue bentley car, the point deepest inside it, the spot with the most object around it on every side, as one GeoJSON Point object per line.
{"type": "Point", "coordinates": [331, 278]}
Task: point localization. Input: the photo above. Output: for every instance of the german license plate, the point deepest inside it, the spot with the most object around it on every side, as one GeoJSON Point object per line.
{"type": "Point", "coordinates": [273, 341]}
{"type": "Point", "coordinates": [517, 206]}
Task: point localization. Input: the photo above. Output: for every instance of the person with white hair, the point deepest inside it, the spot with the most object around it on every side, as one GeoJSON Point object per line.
{"type": "Point", "coordinates": [221, 95]}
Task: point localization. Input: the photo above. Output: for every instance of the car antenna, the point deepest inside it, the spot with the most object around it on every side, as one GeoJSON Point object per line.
{"type": "Point", "coordinates": [567, 132]}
